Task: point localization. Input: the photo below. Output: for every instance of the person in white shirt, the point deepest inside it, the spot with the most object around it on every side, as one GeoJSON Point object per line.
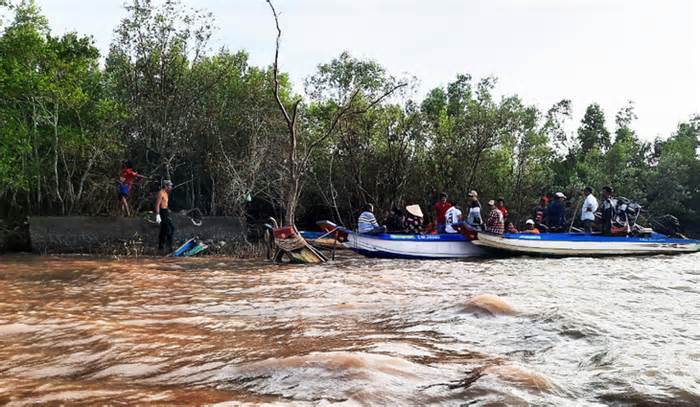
{"type": "Point", "coordinates": [590, 206]}
{"type": "Point", "coordinates": [452, 216]}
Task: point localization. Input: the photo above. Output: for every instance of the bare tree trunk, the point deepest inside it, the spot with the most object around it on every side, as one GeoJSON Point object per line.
{"type": "Point", "coordinates": [298, 164]}
{"type": "Point", "coordinates": [55, 160]}
{"type": "Point", "coordinates": [36, 156]}
{"type": "Point", "coordinates": [212, 205]}
{"type": "Point", "coordinates": [294, 185]}
{"type": "Point", "coordinates": [84, 177]}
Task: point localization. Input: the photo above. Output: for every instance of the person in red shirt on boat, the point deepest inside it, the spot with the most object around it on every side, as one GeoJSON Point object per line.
{"type": "Point", "coordinates": [494, 221]}
{"type": "Point", "coordinates": [501, 205]}
{"type": "Point", "coordinates": [441, 208]}
{"type": "Point", "coordinates": [127, 175]}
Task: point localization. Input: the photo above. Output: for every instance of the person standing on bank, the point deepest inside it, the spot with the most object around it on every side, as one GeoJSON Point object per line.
{"type": "Point", "coordinates": [163, 217]}
{"type": "Point", "coordinates": [590, 206]}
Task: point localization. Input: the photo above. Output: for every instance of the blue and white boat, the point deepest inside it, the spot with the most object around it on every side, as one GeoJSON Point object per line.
{"type": "Point", "coordinates": [579, 244]}
{"type": "Point", "coordinates": [406, 246]}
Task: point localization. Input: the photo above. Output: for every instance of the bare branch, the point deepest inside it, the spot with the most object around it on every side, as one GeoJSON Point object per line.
{"type": "Point", "coordinates": [275, 72]}
{"type": "Point", "coordinates": [347, 110]}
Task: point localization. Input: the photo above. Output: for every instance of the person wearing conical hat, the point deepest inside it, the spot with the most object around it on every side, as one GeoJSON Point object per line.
{"type": "Point", "coordinates": [414, 219]}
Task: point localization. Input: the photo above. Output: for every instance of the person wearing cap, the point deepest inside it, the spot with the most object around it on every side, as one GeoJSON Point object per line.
{"type": "Point", "coordinates": [556, 213]}
{"type": "Point", "coordinates": [441, 207]}
{"type": "Point", "coordinates": [590, 206]}
{"type": "Point", "coordinates": [474, 214]}
{"type": "Point", "coordinates": [607, 208]}
{"type": "Point", "coordinates": [367, 223]}
{"type": "Point", "coordinates": [494, 222]}
{"type": "Point", "coordinates": [530, 228]}
{"type": "Point", "coordinates": [167, 229]}
{"type": "Point", "coordinates": [501, 205]}
{"type": "Point", "coordinates": [414, 220]}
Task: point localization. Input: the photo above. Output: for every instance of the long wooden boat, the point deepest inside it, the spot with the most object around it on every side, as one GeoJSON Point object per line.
{"type": "Point", "coordinates": [406, 246]}
{"type": "Point", "coordinates": [322, 240]}
{"type": "Point", "coordinates": [579, 244]}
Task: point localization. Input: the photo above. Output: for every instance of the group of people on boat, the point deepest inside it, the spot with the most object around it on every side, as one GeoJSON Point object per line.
{"type": "Point", "coordinates": [548, 216]}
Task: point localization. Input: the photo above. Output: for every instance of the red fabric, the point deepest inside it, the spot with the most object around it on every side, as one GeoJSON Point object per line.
{"type": "Point", "coordinates": [440, 209]}
{"type": "Point", "coordinates": [504, 211]}
{"type": "Point", "coordinates": [128, 174]}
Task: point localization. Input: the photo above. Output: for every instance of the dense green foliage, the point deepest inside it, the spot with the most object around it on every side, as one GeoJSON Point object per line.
{"type": "Point", "coordinates": [208, 120]}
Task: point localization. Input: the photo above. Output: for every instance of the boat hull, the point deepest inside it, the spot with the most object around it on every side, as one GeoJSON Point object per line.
{"type": "Point", "coordinates": [389, 245]}
{"type": "Point", "coordinates": [573, 244]}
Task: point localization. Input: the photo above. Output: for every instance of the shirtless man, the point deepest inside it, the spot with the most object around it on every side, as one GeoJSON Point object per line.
{"type": "Point", "coordinates": [167, 229]}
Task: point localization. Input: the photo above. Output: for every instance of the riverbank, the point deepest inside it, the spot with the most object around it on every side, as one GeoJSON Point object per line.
{"type": "Point", "coordinates": [134, 236]}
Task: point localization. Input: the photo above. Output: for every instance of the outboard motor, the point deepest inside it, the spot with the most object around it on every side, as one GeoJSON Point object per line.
{"type": "Point", "coordinates": [625, 218]}
{"type": "Point", "coordinates": [668, 225]}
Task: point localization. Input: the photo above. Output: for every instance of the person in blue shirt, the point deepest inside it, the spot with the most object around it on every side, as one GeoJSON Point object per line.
{"type": "Point", "coordinates": [556, 213]}
{"type": "Point", "coordinates": [367, 223]}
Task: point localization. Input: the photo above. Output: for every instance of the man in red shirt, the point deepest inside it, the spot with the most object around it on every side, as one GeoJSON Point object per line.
{"type": "Point", "coordinates": [127, 172]}
{"type": "Point", "coordinates": [501, 205]}
{"type": "Point", "coordinates": [441, 208]}
{"type": "Point", "coordinates": [126, 180]}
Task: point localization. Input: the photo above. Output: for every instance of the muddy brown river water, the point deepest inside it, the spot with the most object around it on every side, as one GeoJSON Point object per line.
{"type": "Point", "coordinates": [616, 331]}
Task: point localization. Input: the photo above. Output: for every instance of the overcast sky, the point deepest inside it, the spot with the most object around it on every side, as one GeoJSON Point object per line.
{"type": "Point", "coordinates": [605, 51]}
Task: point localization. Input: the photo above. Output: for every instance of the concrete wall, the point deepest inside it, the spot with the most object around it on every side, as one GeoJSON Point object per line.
{"type": "Point", "coordinates": [117, 235]}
